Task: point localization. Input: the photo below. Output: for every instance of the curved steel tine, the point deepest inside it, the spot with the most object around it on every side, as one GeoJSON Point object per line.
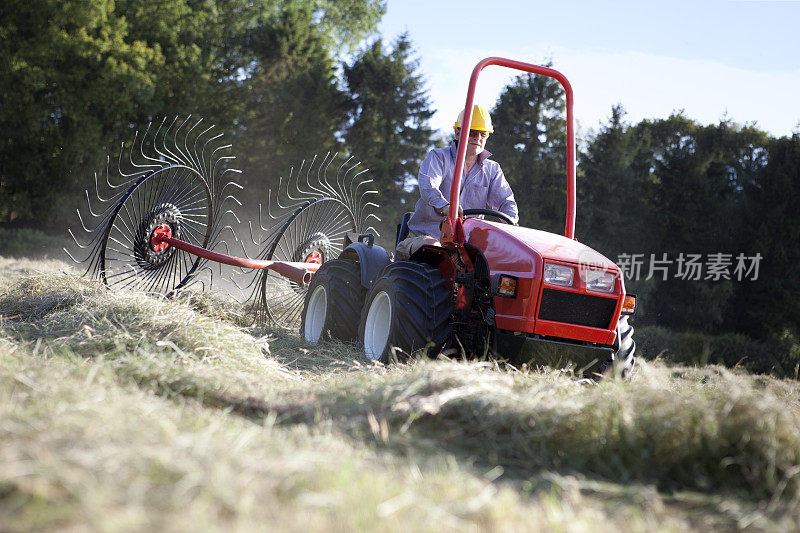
{"type": "Point", "coordinates": [252, 238]}
{"type": "Point", "coordinates": [325, 182]}
{"type": "Point", "coordinates": [164, 157]}
{"type": "Point", "coordinates": [364, 207]}
{"type": "Point", "coordinates": [216, 159]}
{"type": "Point", "coordinates": [317, 192]}
{"type": "Point", "coordinates": [87, 230]}
{"type": "Point", "coordinates": [306, 195]}
{"type": "Point", "coordinates": [163, 151]}
{"type": "Point", "coordinates": [157, 163]}
{"type": "Point", "coordinates": [218, 234]}
{"type": "Point", "coordinates": [130, 153]}
{"type": "Point", "coordinates": [75, 260]}
{"type": "Point", "coordinates": [277, 200]}
{"type": "Point", "coordinates": [124, 182]}
{"type": "Point", "coordinates": [130, 158]}
{"type": "Point", "coordinates": [197, 156]}
{"type": "Point", "coordinates": [360, 183]}
{"type": "Point", "coordinates": [289, 181]}
{"type": "Point", "coordinates": [183, 158]}
{"type": "Point", "coordinates": [207, 160]}
{"type": "Point", "coordinates": [223, 243]}
{"type": "Point", "coordinates": [377, 234]}
{"type": "Point", "coordinates": [322, 175]}
{"type": "Point", "coordinates": [363, 194]}
{"type": "Point", "coordinates": [260, 211]}
{"type": "Point", "coordinates": [89, 203]}
{"type": "Point", "coordinates": [345, 177]}
{"type": "Point", "coordinates": [314, 191]}
{"type": "Point", "coordinates": [244, 250]}
{"type": "Point", "coordinates": [168, 155]}
{"type": "Point", "coordinates": [185, 147]}
{"type": "Point", "coordinates": [339, 189]}
{"type": "Point", "coordinates": [81, 246]}
{"type": "Point", "coordinates": [235, 171]}
{"type": "Point", "coordinates": [233, 215]}
{"type": "Point", "coordinates": [241, 289]}
{"type": "Point", "coordinates": [339, 171]}
{"type": "Point", "coordinates": [97, 190]}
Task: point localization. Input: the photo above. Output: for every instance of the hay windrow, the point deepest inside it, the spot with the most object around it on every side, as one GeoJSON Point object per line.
{"type": "Point", "coordinates": [91, 378]}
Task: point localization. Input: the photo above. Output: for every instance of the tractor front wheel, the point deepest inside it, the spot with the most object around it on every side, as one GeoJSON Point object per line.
{"type": "Point", "coordinates": [332, 307]}
{"type": "Point", "coordinates": [408, 308]}
{"type": "Point", "coordinates": [622, 362]}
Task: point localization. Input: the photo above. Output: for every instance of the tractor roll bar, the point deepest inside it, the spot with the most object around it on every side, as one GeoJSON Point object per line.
{"type": "Point", "coordinates": [456, 231]}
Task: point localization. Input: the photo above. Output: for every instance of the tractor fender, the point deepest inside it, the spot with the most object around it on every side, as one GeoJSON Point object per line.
{"type": "Point", "coordinates": [372, 258]}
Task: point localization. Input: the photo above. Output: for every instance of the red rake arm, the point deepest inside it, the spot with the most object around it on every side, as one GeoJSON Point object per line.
{"type": "Point", "coordinates": [297, 272]}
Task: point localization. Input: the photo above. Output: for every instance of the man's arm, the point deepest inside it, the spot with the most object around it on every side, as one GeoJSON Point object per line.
{"type": "Point", "coordinates": [501, 197]}
{"type": "Point", "coordinates": [431, 174]}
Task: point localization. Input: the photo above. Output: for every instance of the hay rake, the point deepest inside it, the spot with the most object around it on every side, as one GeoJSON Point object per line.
{"type": "Point", "coordinates": [157, 228]}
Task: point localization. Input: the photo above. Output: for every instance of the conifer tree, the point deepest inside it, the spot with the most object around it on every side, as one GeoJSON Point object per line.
{"type": "Point", "coordinates": [388, 120]}
{"type": "Point", "coordinates": [529, 142]}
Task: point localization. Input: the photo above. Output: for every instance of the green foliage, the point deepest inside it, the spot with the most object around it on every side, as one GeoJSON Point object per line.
{"type": "Point", "coordinates": [80, 76]}
{"type": "Point", "coordinates": [666, 187]}
{"type": "Point", "coordinates": [294, 106]}
{"type": "Point", "coordinates": [31, 243]}
{"type": "Point", "coordinates": [388, 121]}
{"type": "Point", "coordinates": [613, 190]}
{"type": "Point", "coordinates": [771, 227]}
{"type": "Point", "coordinates": [777, 356]}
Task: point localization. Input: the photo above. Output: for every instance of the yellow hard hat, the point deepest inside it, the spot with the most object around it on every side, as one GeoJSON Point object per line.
{"type": "Point", "coordinates": [481, 120]}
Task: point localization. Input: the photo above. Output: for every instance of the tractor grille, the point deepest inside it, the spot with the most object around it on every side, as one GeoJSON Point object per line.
{"type": "Point", "coordinates": [574, 308]}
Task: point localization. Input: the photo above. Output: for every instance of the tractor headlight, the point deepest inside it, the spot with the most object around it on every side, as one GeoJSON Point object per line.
{"type": "Point", "coordinates": [558, 274]}
{"type": "Point", "coordinates": [600, 280]}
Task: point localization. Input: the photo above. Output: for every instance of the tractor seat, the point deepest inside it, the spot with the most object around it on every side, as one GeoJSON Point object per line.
{"type": "Point", "coordinates": [402, 228]}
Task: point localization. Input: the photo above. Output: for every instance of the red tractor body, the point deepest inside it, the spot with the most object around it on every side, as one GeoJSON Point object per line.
{"type": "Point", "coordinates": [535, 309]}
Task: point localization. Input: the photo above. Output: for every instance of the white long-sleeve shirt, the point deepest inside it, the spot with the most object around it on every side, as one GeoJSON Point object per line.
{"type": "Point", "coordinates": [484, 186]}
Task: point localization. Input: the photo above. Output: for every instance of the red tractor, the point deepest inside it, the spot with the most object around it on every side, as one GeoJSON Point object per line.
{"type": "Point", "coordinates": [492, 286]}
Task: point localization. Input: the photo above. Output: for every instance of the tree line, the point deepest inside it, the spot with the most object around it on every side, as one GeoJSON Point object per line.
{"type": "Point", "coordinates": [293, 78]}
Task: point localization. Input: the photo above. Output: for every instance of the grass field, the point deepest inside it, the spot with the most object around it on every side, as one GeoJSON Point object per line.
{"type": "Point", "coordinates": [123, 411]}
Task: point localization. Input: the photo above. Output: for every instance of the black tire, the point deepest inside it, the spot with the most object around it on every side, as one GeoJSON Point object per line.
{"type": "Point", "coordinates": [409, 306]}
{"type": "Point", "coordinates": [340, 279]}
{"type": "Point", "coordinates": [622, 362]}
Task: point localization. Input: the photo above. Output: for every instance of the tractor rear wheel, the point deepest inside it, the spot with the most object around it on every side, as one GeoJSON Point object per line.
{"type": "Point", "coordinates": [333, 302]}
{"type": "Point", "coordinates": [408, 308]}
{"type": "Point", "coordinates": [622, 362]}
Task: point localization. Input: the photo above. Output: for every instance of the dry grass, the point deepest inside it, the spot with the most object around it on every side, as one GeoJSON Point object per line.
{"type": "Point", "coordinates": [125, 411]}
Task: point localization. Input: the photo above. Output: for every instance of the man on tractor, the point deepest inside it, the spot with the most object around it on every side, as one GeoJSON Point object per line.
{"type": "Point", "coordinates": [484, 185]}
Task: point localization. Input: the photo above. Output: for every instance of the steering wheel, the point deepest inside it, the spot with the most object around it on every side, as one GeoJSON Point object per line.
{"type": "Point", "coordinates": [492, 213]}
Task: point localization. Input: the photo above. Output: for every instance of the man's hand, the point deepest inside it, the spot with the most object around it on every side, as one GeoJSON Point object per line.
{"type": "Point", "coordinates": [445, 209]}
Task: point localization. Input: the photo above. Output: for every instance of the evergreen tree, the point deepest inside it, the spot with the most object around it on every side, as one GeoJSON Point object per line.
{"type": "Point", "coordinates": [388, 121]}
{"type": "Point", "coordinates": [294, 106]}
{"type": "Point", "coordinates": [771, 303]}
{"type": "Point", "coordinates": [77, 77]}
{"type": "Point", "coordinates": [613, 192]}
{"type": "Point", "coordinates": [529, 142]}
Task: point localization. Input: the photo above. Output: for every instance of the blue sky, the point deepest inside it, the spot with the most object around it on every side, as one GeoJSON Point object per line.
{"type": "Point", "coordinates": [707, 58]}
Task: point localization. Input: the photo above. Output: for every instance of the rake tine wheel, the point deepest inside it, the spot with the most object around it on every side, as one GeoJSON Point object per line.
{"type": "Point", "coordinates": [171, 176]}
{"type": "Point", "coordinates": [306, 220]}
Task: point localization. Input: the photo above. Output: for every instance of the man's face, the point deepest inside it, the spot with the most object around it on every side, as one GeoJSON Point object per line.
{"type": "Point", "coordinates": [476, 142]}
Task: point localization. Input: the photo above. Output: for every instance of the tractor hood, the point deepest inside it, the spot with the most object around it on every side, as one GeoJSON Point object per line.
{"type": "Point", "coordinates": [509, 247]}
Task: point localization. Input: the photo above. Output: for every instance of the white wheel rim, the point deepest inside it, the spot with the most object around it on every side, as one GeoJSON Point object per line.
{"type": "Point", "coordinates": [379, 322]}
{"type": "Point", "coordinates": [316, 313]}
